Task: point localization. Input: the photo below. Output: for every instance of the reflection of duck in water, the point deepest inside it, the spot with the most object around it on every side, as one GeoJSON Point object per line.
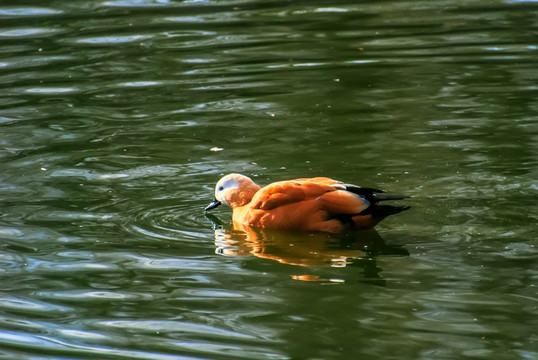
{"type": "Point", "coordinates": [315, 204]}
{"type": "Point", "coordinates": [300, 249]}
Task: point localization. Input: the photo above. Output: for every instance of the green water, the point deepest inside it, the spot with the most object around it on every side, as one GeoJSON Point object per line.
{"type": "Point", "coordinates": [110, 115]}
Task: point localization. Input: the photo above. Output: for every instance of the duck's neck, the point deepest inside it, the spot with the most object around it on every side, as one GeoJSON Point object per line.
{"type": "Point", "coordinates": [244, 195]}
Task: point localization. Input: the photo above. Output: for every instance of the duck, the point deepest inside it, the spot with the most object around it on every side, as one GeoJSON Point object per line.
{"type": "Point", "coordinates": [318, 204]}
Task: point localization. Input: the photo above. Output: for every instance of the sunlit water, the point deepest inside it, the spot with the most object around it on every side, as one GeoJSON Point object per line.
{"type": "Point", "coordinates": [118, 117]}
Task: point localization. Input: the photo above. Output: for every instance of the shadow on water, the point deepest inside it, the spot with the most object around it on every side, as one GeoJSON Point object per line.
{"type": "Point", "coordinates": [351, 249]}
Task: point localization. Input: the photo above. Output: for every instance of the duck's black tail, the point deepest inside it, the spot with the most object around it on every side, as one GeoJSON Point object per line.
{"type": "Point", "coordinates": [382, 211]}
{"type": "Point", "coordinates": [375, 195]}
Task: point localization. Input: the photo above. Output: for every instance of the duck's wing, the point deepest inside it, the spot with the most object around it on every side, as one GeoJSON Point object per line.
{"type": "Point", "coordinates": [320, 180]}
{"type": "Point", "coordinates": [287, 192]}
{"type": "Point", "coordinates": [343, 202]}
{"type": "Point", "coordinates": [330, 195]}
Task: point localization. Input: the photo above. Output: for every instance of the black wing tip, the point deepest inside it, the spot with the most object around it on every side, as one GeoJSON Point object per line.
{"type": "Point", "coordinates": [373, 195]}
{"type": "Point", "coordinates": [382, 211]}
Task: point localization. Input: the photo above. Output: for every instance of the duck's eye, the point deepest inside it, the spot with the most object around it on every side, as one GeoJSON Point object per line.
{"type": "Point", "coordinates": [221, 188]}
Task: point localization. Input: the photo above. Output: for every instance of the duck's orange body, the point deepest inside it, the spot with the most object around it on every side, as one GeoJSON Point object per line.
{"type": "Point", "coordinates": [309, 204]}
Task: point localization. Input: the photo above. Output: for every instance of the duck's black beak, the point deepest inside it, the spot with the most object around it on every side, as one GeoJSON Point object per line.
{"type": "Point", "coordinates": [213, 205]}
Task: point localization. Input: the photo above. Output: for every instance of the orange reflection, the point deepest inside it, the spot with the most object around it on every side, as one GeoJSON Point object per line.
{"type": "Point", "coordinates": [315, 278]}
{"type": "Point", "coordinates": [296, 248]}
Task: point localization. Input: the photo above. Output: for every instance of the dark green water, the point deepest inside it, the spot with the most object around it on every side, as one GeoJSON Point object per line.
{"type": "Point", "coordinates": [110, 113]}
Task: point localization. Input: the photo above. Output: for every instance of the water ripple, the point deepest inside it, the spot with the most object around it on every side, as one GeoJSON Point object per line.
{"type": "Point", "coordinates": [28, 11]}
{"type": "Point", "coordinates": [139, 3]}
{"type": "Point", "coordinates": [46, 344]}
{"type": "Point", "coordinates": [28, 33]}
{"type": "Point", "coordinates": [112, 40]}
{"type": "Point", "coordinates": [93, 296]}
{"type": "Point", "coordinates": [163, 326]}
{"type": "Point", "coordinates": [184, 221]}
{"type": "Point", "coordinates": [140, 262]}
{"type": "Point", "coordinates": [31, 306]}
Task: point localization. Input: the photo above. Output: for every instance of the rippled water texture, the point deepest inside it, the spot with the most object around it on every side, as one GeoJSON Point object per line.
{"type": "Point", "coordinates": [118, 117]}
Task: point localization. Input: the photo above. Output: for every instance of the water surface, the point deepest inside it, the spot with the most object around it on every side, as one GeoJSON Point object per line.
{"type": "Point", "coordinates": [118, 117]}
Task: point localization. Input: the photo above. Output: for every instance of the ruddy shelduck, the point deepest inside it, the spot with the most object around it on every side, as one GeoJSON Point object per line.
{"type": "Point", "coordinates": [308, 204]}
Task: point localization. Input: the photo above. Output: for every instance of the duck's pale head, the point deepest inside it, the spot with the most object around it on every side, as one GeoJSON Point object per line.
{"type": "Point", "coordinates": [233, 190]}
